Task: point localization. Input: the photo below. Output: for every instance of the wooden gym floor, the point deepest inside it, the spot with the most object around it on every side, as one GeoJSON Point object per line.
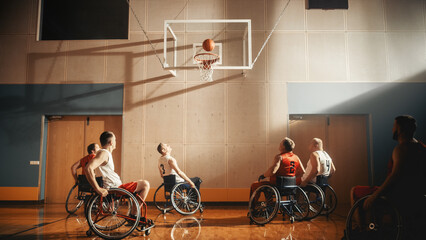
{"type": "Point", "coordinates": [50, 221]}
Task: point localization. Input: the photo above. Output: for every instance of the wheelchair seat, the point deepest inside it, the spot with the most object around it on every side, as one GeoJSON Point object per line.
{"type": "Point", "coordinates": [84, 185]}
{"type": "Point", "coordinates": [322, 180]}
{"type": "Point", "coordinates": [177, 195]}
{"type": "Point", "coordinates": [266, 201]}
{"type": "Point", "coordinates": [286, 185]}
{"type": "Point", "coordinates": [169, 182]}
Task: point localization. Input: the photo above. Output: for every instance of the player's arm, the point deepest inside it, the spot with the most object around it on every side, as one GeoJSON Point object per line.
{"type": "Point", "coordinates": [275, 166]}
{"type": "Point", "coordinates": [332, 168]}
{"type": "Point", "coordinates": [300, 170]}
{"type": "Point", "coordinates": [314, 159]}
{"type": "Point", "coordinates": [74, 168]}
{"type": "Point", "coordinates": [100, 159]}
{"type": "Point", "coordinates": [391, 179]}
{"type": "Point", "coordinates": [173, 164]}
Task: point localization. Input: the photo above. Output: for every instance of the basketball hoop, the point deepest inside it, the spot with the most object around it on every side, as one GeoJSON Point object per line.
{"type": "Point", "coordinates": [205, 62]}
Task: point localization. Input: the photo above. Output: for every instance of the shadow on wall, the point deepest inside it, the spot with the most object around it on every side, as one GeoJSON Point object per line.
{"type": "Point", "coordinates": [105, 51]}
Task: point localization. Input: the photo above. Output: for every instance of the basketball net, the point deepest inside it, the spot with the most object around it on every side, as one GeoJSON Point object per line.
{"type": "Point", "coordinates": [204, 63]}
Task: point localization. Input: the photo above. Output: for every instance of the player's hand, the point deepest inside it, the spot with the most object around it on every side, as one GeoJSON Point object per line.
{"type": "Point", "coordinates": [103, 192]}
{"type": "Point", "coordinates": [192, 185]}
{"type": "Point", "coordinates": [368, 203]}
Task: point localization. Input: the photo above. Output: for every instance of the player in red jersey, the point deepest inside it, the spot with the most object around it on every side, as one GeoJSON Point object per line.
{"type": "Point", "coordinates": [91, 149]}
{"type": "Point", "coordinates": [286, 163]}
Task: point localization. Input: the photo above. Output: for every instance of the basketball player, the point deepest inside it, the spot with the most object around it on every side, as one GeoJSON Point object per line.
{"type": "Point", "coordinates": [91, 150]}
{"type": "Point", "coordinates": [405, 186]}
{"type": "Point", "coordinates": [320, 163]}
{"type": "Point", "coordinates": [167, 165]}
{"type": "Point", "coordinates": [105, 163]}
{"type": "Point", "coordinates": [286, 163]}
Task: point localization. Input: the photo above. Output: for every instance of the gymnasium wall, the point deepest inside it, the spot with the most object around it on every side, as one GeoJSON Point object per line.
{"type": "Point", "coordinates": [22, 107]}
{"type": "Point", "coordinates": [226, 131]}
{"type": "Point", "coordinates": [381, 101]}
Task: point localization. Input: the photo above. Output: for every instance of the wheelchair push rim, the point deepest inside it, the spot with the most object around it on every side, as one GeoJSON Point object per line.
{"type": "Point", "coordinates": [382, 221]}
{"type": "Point", "coordinates": [264, 204]}
{"type": "Point", "coordinates": [109, 217]}
{"type": "Point", "coordinates": [74, 200]}
{"type": "Point", "coordinates": [160, 201]}
{"type": "Point", "coordinates": [301, 206]}
{"type": "Point", "coordinates": [330, 200]}
{"type": "Point", "coordinates": [316, 200]}
{"type": "Point", "coordinates": [185, 200]}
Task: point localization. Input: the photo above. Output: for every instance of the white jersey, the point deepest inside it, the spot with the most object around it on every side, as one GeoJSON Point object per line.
{"type": "Point", "coordinates": [163, 164]}
{"type": "Point", "coordinates": [109, 176]}
{"type": "Point", "coordinates": [324, 164]}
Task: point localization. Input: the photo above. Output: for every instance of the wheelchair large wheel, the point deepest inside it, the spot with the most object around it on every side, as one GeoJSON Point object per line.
{"type": "Point", "coordinates": [264, 204]}
{"type": "Point", "coordinates": [185, 200]}
{"type": "Point", "coordinates": [316, 200]}
{"type": "Point", "coordinates": [160, 201]}
{"type": "Point", "coordinates": [382, 221]}
{"type": "Point", "coordinates": [330, 200]}
{"type": "Point", "coordinates": [109, 217]}
{"type": "Point", "coordinates": [301, 204]}
{"type": "Point", "coordinates": [73, 202]}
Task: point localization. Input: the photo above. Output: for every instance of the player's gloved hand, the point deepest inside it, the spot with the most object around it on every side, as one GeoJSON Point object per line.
{"type": "Point", "coordinates": [261, 177]}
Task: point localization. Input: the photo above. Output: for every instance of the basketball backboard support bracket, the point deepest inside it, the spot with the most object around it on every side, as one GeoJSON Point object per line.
{"type": "Point", "coordinates": [240, 29]}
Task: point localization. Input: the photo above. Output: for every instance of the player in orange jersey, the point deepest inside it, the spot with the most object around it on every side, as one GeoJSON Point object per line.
{"type": "Point", "coordinates": [286, 163]}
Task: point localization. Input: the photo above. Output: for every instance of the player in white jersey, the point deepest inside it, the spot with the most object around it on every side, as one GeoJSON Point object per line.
{"type": "Point", "coordinates": [320, 163]}
{"type": "Point", "coordinates": [167, 165]}
{"type": "Point", "coordinates": [105, 163]}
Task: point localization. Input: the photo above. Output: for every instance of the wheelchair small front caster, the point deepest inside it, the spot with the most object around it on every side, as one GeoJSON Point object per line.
{"type": "Point", "coordinates": [291, 219]}
{"type": "Point", "coordinates": [147, 232]}
{"type": "Point", "coordinates": [89, 233]}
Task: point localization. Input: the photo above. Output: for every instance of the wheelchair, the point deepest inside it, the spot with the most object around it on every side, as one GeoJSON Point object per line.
{"type": "Point", "coordinates": [330, 197]}
{"type": "Point", "coordinates": [267, 200]}
{"type": "Point", "coordinates": [184, 199]}
{"type": "Point", "coordinates": [316, 200]}
{"type": "Point", "coordinates": [117, 215]}
{"type": "Point", "coordinates": [80, 193]}
{"type": "Point", "coordinates": [382, 221]}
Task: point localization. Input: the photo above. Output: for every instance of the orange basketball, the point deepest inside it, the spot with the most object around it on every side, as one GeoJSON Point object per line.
{"type": "Point", "coordinates": [208, 45]}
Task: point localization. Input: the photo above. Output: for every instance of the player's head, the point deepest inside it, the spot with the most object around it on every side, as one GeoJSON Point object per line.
{"type": "Point", "coordinates": [163, 148]}
{"type": "Point", "coordinates": [287, 145]}
{"type": "Point", "coordinates": [107, 138]}
{"type": "Point", "coordinates": [404, 125]}
{"type": "Point", "coordinates": [92, 148]}
{"type": "Point", "coordinates": [316, 144]}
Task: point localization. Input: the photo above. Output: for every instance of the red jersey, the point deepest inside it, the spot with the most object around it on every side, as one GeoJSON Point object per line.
{"type": "Point", "coordinates": [85, 160]}
{"type": "Point", "coordinates": [288, 166]}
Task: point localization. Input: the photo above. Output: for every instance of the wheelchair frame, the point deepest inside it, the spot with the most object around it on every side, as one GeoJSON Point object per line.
{"type": "Point", "coordinates": [316, 200]}
{"type": "Point", "coordinates": [330, 197]}
{"type": "Point", "coordinates": [110, 217]}
{"type": "Point", "coordinates": [296, 206]}
{"type": "Point", "coordinates": [84, 193]}
{"type": "Point", "coordinates": [178, 196]}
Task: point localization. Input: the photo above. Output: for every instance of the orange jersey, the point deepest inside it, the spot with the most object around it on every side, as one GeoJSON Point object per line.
{"type": "Point", "coordinates": [85, 160]}
{"type": "Point", "coordinates": [288, 166]}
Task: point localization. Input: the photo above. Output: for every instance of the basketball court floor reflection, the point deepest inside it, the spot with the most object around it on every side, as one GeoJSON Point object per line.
{"type": "Point", "coordinates": [50, 221]}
